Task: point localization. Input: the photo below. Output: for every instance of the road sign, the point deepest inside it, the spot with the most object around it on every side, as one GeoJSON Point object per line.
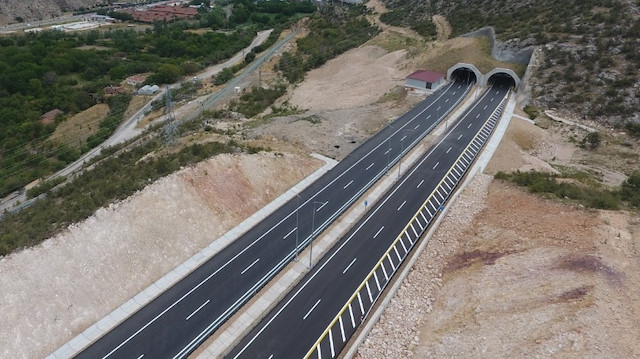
{"type": "Point", "coordinates": [441, 208]}
{"type": "Point", "coordinates": [366, 203]}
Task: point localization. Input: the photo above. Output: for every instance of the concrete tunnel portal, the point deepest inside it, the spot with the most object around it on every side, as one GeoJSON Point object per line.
{"type": "Point", "coordinates": [465, 72]}
{"type": "Point", "coordinates": [468, 72]}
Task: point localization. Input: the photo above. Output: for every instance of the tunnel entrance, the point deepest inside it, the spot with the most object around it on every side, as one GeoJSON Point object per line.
{"type": "Point", "coordinates": [464, 74]}
{"type": "Point", "coordinates": [501, 79]}
{"type": "Point", "coordinates": [502, 76]}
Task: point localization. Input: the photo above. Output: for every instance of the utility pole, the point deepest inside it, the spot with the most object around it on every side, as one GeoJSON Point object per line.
{"type": "Point", "coordinates": [170, 130]}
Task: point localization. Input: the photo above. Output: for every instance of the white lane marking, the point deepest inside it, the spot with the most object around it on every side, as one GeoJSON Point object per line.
{"type": "Point", "coordinates": [439, 107]}
{"type": "Point", "coordinates": [492, 99]}
{"type": "Point", "coordinates": [436, 165]}
{"type": "Point", "coordinates": [353, 320]}
{"type": "Point", "coordinates": [311, 310]}
{"type": "Point", "coordinates": [270, 357]}
{"type": "Point", "coordinates": [485, 107]}
{"type": "Point", "coordinates": [197, 310]}
{"type": "Point", "coordinates": [344, 338]}
{"type": "Point", "coordinates": [333, 351]}
{"type": "Point", "coordinates": [428, 117]}
{"type": "Point", "coordinates": [288, 234]}
{"type": "Point", "coordinates": [325, 203]}
{"type": "Point", "coordinates": [402, 205]}
{"type": "Point", "coordinates": [141, 356]}
{"type": "Point", "coordinates": [402, 139]}
{"type": "Point", "coordinates": [387, 151]}
{"type": "Point", "coordinates": [415, 128]}
{"type": "Point", "coordinates": [345, 187]}
{"type": "Point", "coordinates": [447, 100]}
{"type": "Point", "coordinates": [256, 241]}
{"type": "Point", "coordinates": [378, 232]}
{"type": "Point", "coordinates": [478, 115]}
{"type": "Point", "coordinates": [459, 137]}
{"type": "Point", "coordinates": [348, 240]}
{"type": "Point", "coordinates": [349, 266]}
{"type": "Point", "coordinates": [470, 125]}
{"type": "Point", "coordinates": [454, 92]}
{"type": "Point", "coordinates": [369, 166]}
{"type": "Point", "coordinates": [420, 184]}
{"type": "Point", "coordinates": [449, 150]}
{"type": "Point", "coordinates": [250, 265]}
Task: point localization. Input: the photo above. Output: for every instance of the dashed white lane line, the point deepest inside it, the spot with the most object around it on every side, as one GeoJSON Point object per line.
{"type": "Point", "coordinates": [270, 357]}
{"type": "Point", "coordinates": [415, 128]}
{"type": "Point", "coordinates": [402, 205]}
{"type": "Point", "coordinates": [378, 232]}
{"type": "Point", "coordinates": [349, 266]}
{"type": "Point", "coordinates": [197, 310]}
{"type": "Point", "coordinates": [345, 187]}
{"type": "Point", "coordinates": [459, 137]}
{"type": "Point", "coordinates": [420, 184]}
{"type": "Point", "coordinates": [449, 150]}
{"type": "Point", "coordinates": [485, 107]}
{"type": "Point", "coordinates": [140, 357]}
{"type": "Point", "coordinates": [470, 125]}
{"type": "Point", "coordinates": [288, 234]}
{"type": "Point", "coordinates": [250, 265]}
{"type": "Point", "coordinates": [369, 166]}
{"type": "Point", "coordinates": [403, 138]}
{"type": "Point", "coordinates": [389, 150]}
{"type": "Point", "coordinates": [324, 204]}
{"type": "Point", "coordinates": [428, 116]}
{"type": "Point", "coordinates": [311, 310]}
{"type": "Point", "coordinates": [436, 165]}
{"type": "Point", "coordinates": [478, 115]}
{"type": "Point", "coordinates": [492, 99]}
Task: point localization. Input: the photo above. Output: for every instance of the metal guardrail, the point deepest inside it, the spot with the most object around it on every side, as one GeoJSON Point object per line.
{"type": "Point", "coordinates": [335, 337]}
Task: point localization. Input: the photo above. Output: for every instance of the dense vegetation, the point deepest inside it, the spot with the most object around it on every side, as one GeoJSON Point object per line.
{"type": "Point", "coordinates": [577, 187]}
{"type": "Point", "coordinates": [590, 63]}
{"type": "Point", "coordinates": [112, 179]}
{"type": "Point", "coordinates": [331, 32]}
{"type": "Point", "coordinates": [44, 71]}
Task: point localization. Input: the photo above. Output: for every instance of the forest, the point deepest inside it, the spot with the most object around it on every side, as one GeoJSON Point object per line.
{"type": "Point", "coordinates": [50, 70]}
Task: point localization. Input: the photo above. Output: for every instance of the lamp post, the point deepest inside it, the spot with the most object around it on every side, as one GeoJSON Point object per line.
{"type": "Point", "coordinates": [297, 225]}
{"type": "Point", "coordinates": [313, 228]}
{"type": "Point", "coordinates": [402, 150]}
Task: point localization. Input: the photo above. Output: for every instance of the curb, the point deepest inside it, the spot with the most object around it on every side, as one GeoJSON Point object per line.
{"type": "Point", "coordinates": [477, 167]}
{"type": "Point", "coordinates": [111, 320]}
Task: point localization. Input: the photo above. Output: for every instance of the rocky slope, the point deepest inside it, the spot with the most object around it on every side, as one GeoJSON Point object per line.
{"type": "Point", "coordinates": [12, 11]}
{"type": "Point", "coordinates": [588, 48]}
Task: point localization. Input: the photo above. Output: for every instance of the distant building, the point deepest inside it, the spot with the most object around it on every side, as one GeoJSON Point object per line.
{"type": "Point", "coordinates": [162, 13]}
{"type": "Point", "coordinates": [114, 90]}
{"type": "Point", "coordinates": [102, 18]}
{"type": "Point", "coordinates": [148, 90]}
{"type": "Point", "coordinates": [136, 80]}
{"type": "Point", "coordinates": [50, 117]}
{"type": "Point", "coordinates": [424, 79]}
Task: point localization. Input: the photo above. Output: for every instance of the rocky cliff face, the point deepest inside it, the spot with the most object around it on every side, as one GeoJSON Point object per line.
{"type": "Point", "coordinates": [12, 11]}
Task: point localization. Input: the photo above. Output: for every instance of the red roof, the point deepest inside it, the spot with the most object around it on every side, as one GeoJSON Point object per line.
{"type": "Point", "coordinates": [426, 76]}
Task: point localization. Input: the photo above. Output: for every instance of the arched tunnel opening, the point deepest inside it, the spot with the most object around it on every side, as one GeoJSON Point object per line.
{"type": "Point", "coordinates": [464, 74]}
{"type": "Point", "coordinates": [501, 78]}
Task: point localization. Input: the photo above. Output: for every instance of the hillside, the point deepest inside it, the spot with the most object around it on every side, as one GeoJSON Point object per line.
{"type": "Point", "coordinates": [12, 11]}
{"type": "Point", "coordinates": [588, 48]}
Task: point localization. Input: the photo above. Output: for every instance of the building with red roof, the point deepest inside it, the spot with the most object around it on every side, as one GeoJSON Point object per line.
{"type": "Point", "coordinates": [424, 79]}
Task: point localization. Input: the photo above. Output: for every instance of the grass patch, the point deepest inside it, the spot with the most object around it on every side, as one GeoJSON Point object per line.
{"type": "Point", "coordinates": [589, 195]}
{"type": "Point", "coordinates": [475, 50]}
{"type": "Point", "coordinates": [395, 94]}
{"type": "Point", "coordinates": [112, 179]}
{"type": "Point", "coordinates": [76, 130]}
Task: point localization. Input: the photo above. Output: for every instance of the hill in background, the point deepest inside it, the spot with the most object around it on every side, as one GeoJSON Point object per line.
{"type": "Point", "coordinates": [12, 11]}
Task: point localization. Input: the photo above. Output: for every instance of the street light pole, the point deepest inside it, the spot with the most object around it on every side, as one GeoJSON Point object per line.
{"type": "Point", "coordinates": [297, 225]}
{"type": "Point", "coordinates": [313, 228]}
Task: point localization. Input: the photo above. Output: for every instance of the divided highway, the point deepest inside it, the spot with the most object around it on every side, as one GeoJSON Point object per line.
{"type": "Point", "coordinates": [320, 314]}
{"type": "Point", "coordinates": [178, 320]}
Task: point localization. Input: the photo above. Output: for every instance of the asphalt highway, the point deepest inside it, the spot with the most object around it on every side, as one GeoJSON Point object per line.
{"type": "Point", "coordinates": [293, 327]}
{"type": "Point", "coordinates": [177, 321]}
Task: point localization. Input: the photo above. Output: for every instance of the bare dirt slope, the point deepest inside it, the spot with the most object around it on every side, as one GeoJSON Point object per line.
{"type": "Point", "coordinates": [53, 291]}
{"type": "Point", "coordinates": [509, 274]}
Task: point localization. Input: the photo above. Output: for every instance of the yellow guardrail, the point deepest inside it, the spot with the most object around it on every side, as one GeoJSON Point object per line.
{"type": "Point", "coordinates": [395, 242]}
